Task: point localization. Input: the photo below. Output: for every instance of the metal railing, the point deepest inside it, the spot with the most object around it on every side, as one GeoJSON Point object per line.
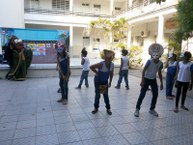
{"type": "Point", "coordinates": [63, 12]}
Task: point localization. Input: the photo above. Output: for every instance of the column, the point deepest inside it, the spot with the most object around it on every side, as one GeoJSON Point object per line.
{"type": "Point", "coordinates": [160, 33]}
{"type": "Point", "coordinates": [71, 41]}
{"type": "Point", "coordinates": [111, 6]}
{"type": "Point", "coordinates": [71, 5]}
{"type": "Point", "coordinates": [129, 38]}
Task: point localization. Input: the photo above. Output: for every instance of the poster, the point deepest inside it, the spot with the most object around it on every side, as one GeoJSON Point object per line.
{"type": "Point", "coordinates": [41, 41]}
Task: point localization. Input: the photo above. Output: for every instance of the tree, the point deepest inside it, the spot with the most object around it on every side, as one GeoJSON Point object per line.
{"type": "Point", "coordinates": [110, 30]}
{"type": "Point", "coordinates": [184, 20]}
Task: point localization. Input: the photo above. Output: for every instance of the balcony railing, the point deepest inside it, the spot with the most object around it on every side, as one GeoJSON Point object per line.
{"type": "Point", "coordinates": [64, 12]}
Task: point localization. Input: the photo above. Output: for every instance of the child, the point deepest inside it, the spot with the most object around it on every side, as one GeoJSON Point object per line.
{"type": "Point", "coordinates": [149, 72]}
{"type": "Point", "coordinates": [63, 61]}
{"type": "Point", "coordinates": [124, 69]}
{"type": "Point", "coordinates": [171, 66]}
{"type": "Point", "coordinates": [85, 70]}
{"type": "Point", "coordinates": [184, 80]}
{"type": "Point", "coordinates": [103, 78]}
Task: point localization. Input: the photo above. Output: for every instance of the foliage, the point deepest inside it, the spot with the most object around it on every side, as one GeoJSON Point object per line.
{"type": "Point", "coordinates": [185, 20]}
{"type": "Point", "coordinates": [135, 56]}
{"type": "Point", "coordinates": [116, 29]}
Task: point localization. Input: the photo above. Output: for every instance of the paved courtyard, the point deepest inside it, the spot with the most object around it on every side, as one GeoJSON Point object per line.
{"type": "Point", "coordinates": [30, 115]}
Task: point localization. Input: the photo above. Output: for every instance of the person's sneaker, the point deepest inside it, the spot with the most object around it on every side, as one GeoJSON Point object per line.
{"type": "Point", "coordinates": [153, 112]}
{"type": "Point", "coordinates": [109, 112]}
{"type": "Point", "coordinates": [136, 114]}
{"type": "Point", "coordinates": [59, 90]}
{"type": "Point", "coordinates": [176, 110]}
{"type": "Point", "coordinates": [65, 102]}
{"type": "Point", "coordinates": [169, 98]}
{"type": "Point", "coordinates": [78, 87]}
{"type": "Point", "coordinates": [117, 87]}
{"type": "Point", "coordinates": [94, 111]}
{"type": "Point", "coordinates": [127, 87]}
{"type": "Point", "coordinates": [185, 108]}
{"type": "Point", "coordinates": [60, 100]}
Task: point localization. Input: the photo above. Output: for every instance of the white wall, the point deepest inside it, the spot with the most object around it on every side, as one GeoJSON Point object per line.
{"type": "Point", "coordinates": [12, 13]}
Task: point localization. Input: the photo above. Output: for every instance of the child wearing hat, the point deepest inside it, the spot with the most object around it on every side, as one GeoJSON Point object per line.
{"type": "Point", "coordinates": [152, 67]}
{"type": "Point", "coordinates": [103, 78]}
{"type": "Point", "coordinates": [171, 65]}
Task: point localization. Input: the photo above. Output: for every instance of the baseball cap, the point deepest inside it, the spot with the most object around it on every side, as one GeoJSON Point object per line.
{"type": "Point", "coordinates": [170, 55]}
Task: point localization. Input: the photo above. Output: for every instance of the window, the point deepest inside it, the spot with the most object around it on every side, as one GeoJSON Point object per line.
{"type": "Point", "coordinates": [85, 4]}
{"type": "Point", "coordinates": [60, 4]}
{"type": "Point", "coordinates": [97, 6]}
{"type": "Point", "coordinates": [117, 8]}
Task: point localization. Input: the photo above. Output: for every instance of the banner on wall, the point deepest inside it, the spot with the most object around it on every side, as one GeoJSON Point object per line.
{"type": "Point", "coordinates": [42, 42]}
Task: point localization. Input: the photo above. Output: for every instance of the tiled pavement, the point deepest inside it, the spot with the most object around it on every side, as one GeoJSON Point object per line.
{"type": "Point", "coordinates": [30, 115]}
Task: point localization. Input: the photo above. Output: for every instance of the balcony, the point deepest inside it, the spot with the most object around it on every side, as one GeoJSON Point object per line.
{"type": "Point", "coordinates": [64, 13]}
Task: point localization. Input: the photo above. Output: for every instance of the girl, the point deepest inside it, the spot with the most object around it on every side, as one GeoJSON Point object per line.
{"type": "Point", "coordinates": [184, 80]}
{"type": "Point", "coordinates": [171, 66]}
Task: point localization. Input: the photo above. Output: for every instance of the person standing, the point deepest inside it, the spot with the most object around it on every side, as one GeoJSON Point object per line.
{"type": "Point", "coordinates": [171, 65]}
{"type": "Point", "coordinates": [63, 61]}
{"type": "Point", "coordinates": [184, 80]}
{"type": "Point", "coordinates": [124, 70]}
{"type": "Point", "coordinates": [103, 78]}
{"type": "Point", "coordinates": [152, 67]}
{"type": "Point", "coordinates": [85, 69]}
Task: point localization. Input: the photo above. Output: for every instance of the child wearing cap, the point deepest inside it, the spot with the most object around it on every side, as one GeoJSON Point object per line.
{"type": "Point", "coordinates": [152, 67]}
{"type": "Point", "coordinates": [103, 78]}
{"type": "Point", "coordinates": [63, 61]}
{"type": "Point", "coordinates": [124, 70]}
{"type": "Point", "coordinates": [184, 80]}
{"type": "Point", "coordinates": [171, 65]}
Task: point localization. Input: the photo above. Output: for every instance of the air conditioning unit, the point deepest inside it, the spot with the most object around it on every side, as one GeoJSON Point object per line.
{"type": "Point", "coordinates": [144, 33]}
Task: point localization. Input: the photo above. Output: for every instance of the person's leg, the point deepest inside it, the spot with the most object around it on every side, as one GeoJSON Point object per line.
{"type": "Point", "coordinates": [61, 84]}
{"type": "Point", "coordinates": [97, 97]}
{"type": "Point", "coordinates": [107, 102]}
{"type": "Point", "coordinates": [142, 93]}
{"type": "Point", "coordinates": [126, 79]}
{"type": "Point", "coordinates": [86, 78]}
{"type": "Point", "coordinates": [119, 80]}
{"type": "Point", "coordinates": [184, 92]}
{"type": "Point", "coordinates": [154, 88]}
{"type": "Point", "coordinates": [65, 83]}
{"type": "Point", "coordinates": [178, 93]}
{"type": "Point", "coordinates": [167, 85]}
{"type": "Point", "coordinates": [81, 79]}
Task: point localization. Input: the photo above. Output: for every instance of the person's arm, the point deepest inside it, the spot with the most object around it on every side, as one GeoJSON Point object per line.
{"type": "Point", "coordinates": [66, 77]}
{"type": "Point", "coordinates": [166, 64]}
{"type": "Point", "coordinates": [95, 67]}
{"type": "Point", "coordinates": [82, 61]}
{"type": "Point", "coordinates": [191, 82]}
{"type": "Point", "coordinates": [111, 77]}
{"type": "Point", "coordinates": [160, 77]}
{"type": "Point", "coordinates": [143, 73]}
{"type": "Point", "coordinates": [121, 66]}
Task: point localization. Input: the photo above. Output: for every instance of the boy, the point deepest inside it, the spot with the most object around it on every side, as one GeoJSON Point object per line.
{"type": "Point", "coordinates": [124, 70]}
{"type": "Point", "coordinates": [103, 78]}
{"type": "Point", "coordinates": [85, 69]}
{"type": "Point", "coordinates": [152, 67]}
{"type": "Point", "coordinates": [63, 61]}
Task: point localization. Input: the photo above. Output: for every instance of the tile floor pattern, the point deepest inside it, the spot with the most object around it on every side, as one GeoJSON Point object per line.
{"type": "Point", "coordinates": [30, 115]}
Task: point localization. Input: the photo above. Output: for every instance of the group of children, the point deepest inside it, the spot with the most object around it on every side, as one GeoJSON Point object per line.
{"type": "Point", "coordinates": [180, 73]}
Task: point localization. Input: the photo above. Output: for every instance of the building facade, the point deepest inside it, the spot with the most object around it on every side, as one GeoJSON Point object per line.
{"type": "Point", "coordinates": [148, 22]}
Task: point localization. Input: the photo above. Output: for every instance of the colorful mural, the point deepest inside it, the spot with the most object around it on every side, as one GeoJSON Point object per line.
{"type": "Point", "coordinates": [42, 42]}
